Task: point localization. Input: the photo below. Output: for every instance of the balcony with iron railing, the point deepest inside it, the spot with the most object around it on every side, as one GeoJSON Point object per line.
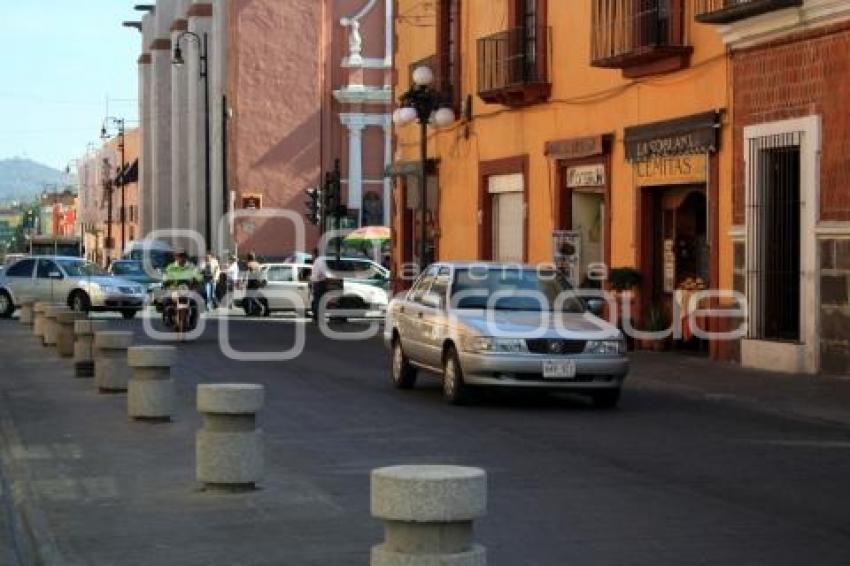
{"type": "Point", "coordinates": [640, 36]}
{"type": "Point", "coordinates": [728, 11]}
{"type": "Point", "coordinates": [513, 67]}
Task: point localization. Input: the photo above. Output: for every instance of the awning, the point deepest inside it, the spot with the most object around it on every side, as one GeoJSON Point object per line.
{"type": "Point", "coordinates": [130, 174]}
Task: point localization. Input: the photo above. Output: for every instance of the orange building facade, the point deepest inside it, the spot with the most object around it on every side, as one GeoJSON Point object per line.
{"type": "Point", "coordinates": [590, 133]}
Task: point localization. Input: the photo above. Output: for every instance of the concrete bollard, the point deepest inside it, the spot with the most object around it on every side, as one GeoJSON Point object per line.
{"type": "Point", "coordinates": [229, 447]}
{"type": "Point", "coordinates": [51, 326]}
{"type": "Point", "coordinates": [38, 319]}
{"type": "Point", "coordinates": [111, 372]}
{"type": "Point", "coordinates": [151, 394]}
{"type": "Point", "coordinates": [25, 314]}
{"type": "Point", "coordinates": [65, 331]}
{"type": "Point", "coordinates": [84, 331]}
{"type": "Point", "coordinates": [428, 513]}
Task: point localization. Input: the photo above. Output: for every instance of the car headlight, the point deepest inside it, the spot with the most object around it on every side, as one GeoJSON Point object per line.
{"type": "Point", "coordinates": [483, 344]}
{"type": "Point", "coordinates": [605, 347]}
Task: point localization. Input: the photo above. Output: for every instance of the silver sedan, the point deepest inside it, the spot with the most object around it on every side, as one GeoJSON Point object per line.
{"type": "Point", "coordinates": [506, 326]}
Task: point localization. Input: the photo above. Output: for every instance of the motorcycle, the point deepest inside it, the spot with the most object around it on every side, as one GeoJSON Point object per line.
{"type": "Point", "coordinates": [180, 309]}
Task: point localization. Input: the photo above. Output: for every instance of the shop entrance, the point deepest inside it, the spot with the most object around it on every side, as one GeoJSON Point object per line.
{"type": "Point", "coordinates": [676, 255]}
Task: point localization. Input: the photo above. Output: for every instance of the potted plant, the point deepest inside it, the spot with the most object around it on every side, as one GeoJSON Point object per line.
{"type": "Point", "coordinates": [656, 321]}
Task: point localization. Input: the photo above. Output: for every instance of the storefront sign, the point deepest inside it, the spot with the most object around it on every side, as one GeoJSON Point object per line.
{"type": "Point", "coordinates": [252, 201]}
{"type": "Point", "coordinates": [576, 148]}
{"type": "Point", "coordinates": [586, 176]}
{"type": "Point", "coordinates": [691, 135]}
{"type": "Point", "coordinates": [677, 170]}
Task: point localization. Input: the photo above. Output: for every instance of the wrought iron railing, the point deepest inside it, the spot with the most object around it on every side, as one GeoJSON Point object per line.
{"type": "Point", "coordinates": [513, 58]}
{"type": "Point", "coordinates": [626, 31]}
{"type": "Point", "coordinates": [726, 11]}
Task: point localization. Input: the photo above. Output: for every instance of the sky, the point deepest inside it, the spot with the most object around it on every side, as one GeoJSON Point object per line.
{"type": "Point", "coordinates": [60, 60]}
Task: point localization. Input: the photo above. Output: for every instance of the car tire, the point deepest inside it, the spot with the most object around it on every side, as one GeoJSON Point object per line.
{"type": "Point", "coordinates": [402, 373]}
{"type": "Point", "coordinates": [79, 302]}
{"type": "Point", "coordinates": [455, 391]}
{"type": "Point", "coordinates": [7, 305]}
{"type": "Point", "coordinates": [129, 315]}
{"type": "Point", "coordinates": [606, 399]}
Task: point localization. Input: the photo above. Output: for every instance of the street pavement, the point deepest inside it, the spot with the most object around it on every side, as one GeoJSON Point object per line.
{"type": "Point", "coordinates": [701, 464]}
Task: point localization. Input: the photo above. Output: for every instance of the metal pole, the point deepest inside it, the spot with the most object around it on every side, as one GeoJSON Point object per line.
{"type": "Point", "coordinates": [123, 185]}
{"type": "Point", "coordinates": [207, 177]}
{"type": "Point", "coordinates": [423, 190]}
{"type": "Point", "coordinates": [108, 181]}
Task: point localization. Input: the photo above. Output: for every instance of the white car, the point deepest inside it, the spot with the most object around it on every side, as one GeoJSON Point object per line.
{"type": "Point", "coordinates": [285, 287]}
{"type": "Point", "coordinates": [74, 281]}
{"type": "Point", "coordinates": [365, 286]}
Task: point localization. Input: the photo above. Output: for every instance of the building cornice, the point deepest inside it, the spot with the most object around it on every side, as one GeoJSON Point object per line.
{"type": "Point", "coordinates": [144, 59]}
{"type": "Point", "coordinates": [180, 25]}
{"type": "Point", "coordinates": [776, 25]}
{"type": "Point", "coordinates": [161, 44]}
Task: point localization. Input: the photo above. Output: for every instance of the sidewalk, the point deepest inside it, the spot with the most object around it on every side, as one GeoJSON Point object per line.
{"type": "Point", "coordinates": [814, 398]}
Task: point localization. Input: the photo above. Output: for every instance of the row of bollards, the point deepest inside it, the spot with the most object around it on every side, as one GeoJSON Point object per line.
{"type": "Point", "coordinates": [428, 511]}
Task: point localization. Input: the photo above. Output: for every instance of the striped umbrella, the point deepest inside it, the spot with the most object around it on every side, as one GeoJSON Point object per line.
{"type": "Point", "coordinates": [369, 234]}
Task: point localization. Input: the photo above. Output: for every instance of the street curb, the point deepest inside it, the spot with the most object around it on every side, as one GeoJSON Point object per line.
{"type": "Point", "coordinates": [33, 540]}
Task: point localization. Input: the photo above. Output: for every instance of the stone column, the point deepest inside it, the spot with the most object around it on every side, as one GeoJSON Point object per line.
{"type": "Point", "coordinates": [179, 121]}
{"type": "Point", "coordinates": [25, 314]}
{"type": "Point", "coordinates": [355, 168]}
{"type": "Point", "coordinates": [229, 447]}
{"type": "Point", "coordinates": [38, 319]}
{"type": "Point", "coordinates": [428, 512]}
{"type": "Point", "coordinates": [151, 394]}
{"type": "Point", "coordinates": [65, 321]}
{"type": "Point", "coordinates": [51, 327]}
{"type": "Point", "coordinates": [111, 372]}
{"type": "Point", "coordinates": [160, 108]}
{"type": "Point", "coordinates": [84, 331]}
{"type": "Point", "coordinates": [145, 204]}
{"type": "Point", "coordinates": [200, 22]}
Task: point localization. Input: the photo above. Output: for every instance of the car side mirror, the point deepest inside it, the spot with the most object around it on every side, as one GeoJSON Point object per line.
{"type": "Point", "coordinates": [432, 300]}
{"type": "Point", "coordinates": [596, 306]}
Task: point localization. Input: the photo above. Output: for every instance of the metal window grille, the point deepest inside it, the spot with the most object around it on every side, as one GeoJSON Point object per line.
{"type": "Point", "coordinates": [773, 231]}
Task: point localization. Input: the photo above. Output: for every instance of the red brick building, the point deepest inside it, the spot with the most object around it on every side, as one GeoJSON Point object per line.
{"type": "Point", "coordinates": [791, 178]}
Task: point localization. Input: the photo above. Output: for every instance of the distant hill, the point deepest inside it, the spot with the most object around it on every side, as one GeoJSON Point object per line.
{"type": "Point", "coordinates": [23, 179]}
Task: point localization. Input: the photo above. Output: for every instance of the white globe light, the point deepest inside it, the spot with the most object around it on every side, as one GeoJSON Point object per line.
{"type": "Point", "coordinates": [444, 117]}
{"type": "Point", "coordinates": [423, 76]}
{"type": "Point", "coordinates": [404, 115]}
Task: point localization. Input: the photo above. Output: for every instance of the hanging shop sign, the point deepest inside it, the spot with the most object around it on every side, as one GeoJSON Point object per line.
{"type": "Point", "coordinates": [690, 135]}
{"type": "Point", "coordinates": [676, 170]}
{"type": "Point", "coordinates": [586, 176]}
{"type": "Point", "coordinates": [576, 148]}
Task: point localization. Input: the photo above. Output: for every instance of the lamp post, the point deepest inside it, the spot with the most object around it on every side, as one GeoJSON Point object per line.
{"type": "Point", "coordinates": [177, 60]}
{"type": "Point", "coordinates": [424, 104]}
{"type": "Point", "coordinates": [120, 124]}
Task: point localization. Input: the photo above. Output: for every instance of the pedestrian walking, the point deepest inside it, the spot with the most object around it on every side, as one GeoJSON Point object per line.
{"type": "Point", "coordinates": [210, 271]}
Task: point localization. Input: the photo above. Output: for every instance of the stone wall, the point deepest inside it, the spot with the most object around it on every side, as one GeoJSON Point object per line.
{"type": "Point", "coordinates": [835, 305]}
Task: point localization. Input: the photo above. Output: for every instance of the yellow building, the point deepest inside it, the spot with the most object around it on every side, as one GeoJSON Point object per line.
{"type": "Point", "coordinates": [589, 132]}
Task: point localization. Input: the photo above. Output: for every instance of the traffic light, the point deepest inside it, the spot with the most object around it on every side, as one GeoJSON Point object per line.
{"type": "Point", "coordinates": [314, 205]}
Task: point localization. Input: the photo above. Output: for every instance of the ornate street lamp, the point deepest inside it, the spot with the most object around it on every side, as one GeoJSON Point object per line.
{"type": "Point", "coordinates": [426, 105]}
{"type": "Point", "coordinates": [178, 61]}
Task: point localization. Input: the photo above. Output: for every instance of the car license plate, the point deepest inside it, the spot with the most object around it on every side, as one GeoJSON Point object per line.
{"type": "Point", "coordinates": [559, 369]}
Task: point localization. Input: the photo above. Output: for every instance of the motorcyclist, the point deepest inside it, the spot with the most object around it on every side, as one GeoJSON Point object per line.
{"type": "Point", "coordinates": [182, 271]}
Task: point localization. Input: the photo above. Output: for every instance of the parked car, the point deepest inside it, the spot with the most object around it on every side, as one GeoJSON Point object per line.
{"type": "Point", "coordinates": [160, 254]}
{"type": "Point", "coordinates": [290, 277]}
{"type": "Point", "coordinates": [477, 325]}
{"type": "Point", "coordinates": [303, 258]}
{"type": "Point", "coordinates": [365, 285]}
{"type": "Point", "coordinates": [83, 285]}
{"type": "Point", "coordinates": [134, 270]}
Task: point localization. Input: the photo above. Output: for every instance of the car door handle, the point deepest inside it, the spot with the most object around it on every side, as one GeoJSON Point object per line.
{"type": "Point", "coordinates": [401, 310]}
{"type": "Point", "coordinates": [419, 315]}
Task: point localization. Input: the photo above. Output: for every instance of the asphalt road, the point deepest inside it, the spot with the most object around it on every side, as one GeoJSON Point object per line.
{"type": "Point", "coordinates": [664, 479]}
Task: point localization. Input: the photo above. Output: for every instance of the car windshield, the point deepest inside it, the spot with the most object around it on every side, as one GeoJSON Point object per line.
{"type": "Point", "coordinates": [354, 269]}
{"type": "Point", "coordinates": [80, 268]}
{"type": "Point", "coordinates": [516, 289]}
{"type": "Point", "coordinates": [128, 268]}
